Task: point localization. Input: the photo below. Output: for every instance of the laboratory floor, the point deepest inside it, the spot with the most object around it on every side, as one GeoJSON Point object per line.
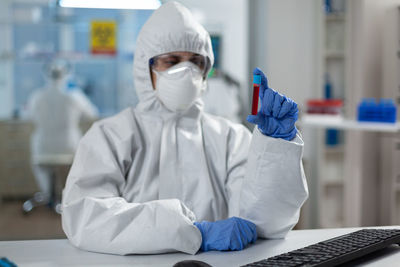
{"type": "Point", "coordinates": [41, 223]}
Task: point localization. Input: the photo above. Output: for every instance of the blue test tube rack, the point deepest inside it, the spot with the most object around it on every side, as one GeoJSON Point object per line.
{"type": "Point", "coordinates": [383, 111]}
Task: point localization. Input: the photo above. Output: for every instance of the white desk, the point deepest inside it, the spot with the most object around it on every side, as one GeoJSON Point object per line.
{"type": "Point", "coordinates": [46, 253]}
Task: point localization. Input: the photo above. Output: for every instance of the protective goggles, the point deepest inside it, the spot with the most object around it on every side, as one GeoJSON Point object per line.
{"type": "Point", "coordinates": [179, 71]}
{"type": "Point", "coordinates": [166, 61]}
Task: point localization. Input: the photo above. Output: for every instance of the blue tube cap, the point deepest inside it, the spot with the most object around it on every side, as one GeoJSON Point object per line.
{"type": "Point", "coordinates": [256, 79]}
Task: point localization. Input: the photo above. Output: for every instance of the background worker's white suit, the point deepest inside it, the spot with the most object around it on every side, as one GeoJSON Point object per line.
{"type": "Point", "coordinates": [56, 115]}
{"type": "Point", "coordinates": [141, 178]}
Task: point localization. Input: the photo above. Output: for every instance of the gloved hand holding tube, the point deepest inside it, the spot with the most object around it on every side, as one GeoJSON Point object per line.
{"type": "Point", "coordinates": [278, 113]}
{"type": "Point", "coordinates": [230, 234]}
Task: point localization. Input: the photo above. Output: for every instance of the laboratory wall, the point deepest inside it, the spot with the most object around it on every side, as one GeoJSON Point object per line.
{"type": "Point", "coordinates": [286, 33]}
{"type": "Point", "coordinates": [35, 32]}
{"type": "Point", "coordinates": [231, 24]}
{"type": "Point", "coordinates": [6, 93]}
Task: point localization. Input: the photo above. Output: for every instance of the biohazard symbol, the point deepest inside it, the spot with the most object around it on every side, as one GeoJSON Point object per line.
{"type": "Point", "coordinates": [103, 35]}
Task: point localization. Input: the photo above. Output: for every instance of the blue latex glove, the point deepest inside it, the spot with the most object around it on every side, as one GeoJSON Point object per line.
{"type": "Point", "coordinates": [230, 234]}
{"type": "Point", "coordinates": [278, 113]}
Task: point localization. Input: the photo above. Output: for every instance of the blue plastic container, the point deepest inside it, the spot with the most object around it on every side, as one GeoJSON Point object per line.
{"type": "Point", "coordinates": [388, 110]}
{"type": "Point", "coordinates": [384, 111]}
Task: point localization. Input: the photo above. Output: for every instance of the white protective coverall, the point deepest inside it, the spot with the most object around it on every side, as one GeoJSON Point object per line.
{"type": "Point", "coordinates": [142, 177]}
{"type": "Point", "coordinates": [56, 115]}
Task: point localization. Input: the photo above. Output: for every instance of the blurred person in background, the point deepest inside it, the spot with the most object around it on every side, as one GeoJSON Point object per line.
{"type": "Point", "coordinates": [56, 114]}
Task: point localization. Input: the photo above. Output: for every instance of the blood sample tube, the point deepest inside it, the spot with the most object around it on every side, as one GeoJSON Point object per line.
{"type": "Point", "coordinates": [256, 91]}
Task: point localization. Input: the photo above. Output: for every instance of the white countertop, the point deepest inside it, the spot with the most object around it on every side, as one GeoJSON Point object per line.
{"type": "Point", "coordinates": [60, 252]}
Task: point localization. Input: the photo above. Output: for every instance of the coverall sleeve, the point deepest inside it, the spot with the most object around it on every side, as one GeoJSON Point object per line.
{"type": "Point", "coordinates": [273, 186]}
{"type": "Point", "coordinates": [88, 109]}
{"type": "Point", "coordinates": [96, 218]}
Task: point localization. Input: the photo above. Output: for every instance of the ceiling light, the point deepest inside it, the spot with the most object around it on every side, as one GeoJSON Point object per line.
{"type": "Point", "coordinates": [111, 4]}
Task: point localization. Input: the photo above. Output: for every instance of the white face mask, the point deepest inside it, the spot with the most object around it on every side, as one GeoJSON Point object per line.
{"type": "Point", "coordinates": [179, 86]}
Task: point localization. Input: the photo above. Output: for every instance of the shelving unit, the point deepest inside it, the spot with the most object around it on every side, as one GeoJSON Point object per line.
{"type": "Point", "coordinates": [367, 192]}
{"type": "Point", "coordinates": [329, 160]}
{"type": "Point", "coordinates": [326, 121]}
{"type": "Point", "coordinates": [332, 184]}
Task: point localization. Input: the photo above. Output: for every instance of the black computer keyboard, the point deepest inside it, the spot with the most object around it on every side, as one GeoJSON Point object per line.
{"type": "Point", "coordinates": [335, 251]}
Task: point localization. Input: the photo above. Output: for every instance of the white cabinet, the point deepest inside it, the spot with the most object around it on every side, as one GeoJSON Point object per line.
{"type": "Point", "coordinates": [16, 178]}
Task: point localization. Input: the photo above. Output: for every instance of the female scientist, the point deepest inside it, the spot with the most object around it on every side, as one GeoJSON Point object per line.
{"type": "Point", "coordinates": [165, 176]}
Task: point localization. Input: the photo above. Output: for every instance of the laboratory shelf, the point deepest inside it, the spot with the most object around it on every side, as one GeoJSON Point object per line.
{"type": "Point", "coordinates": [337, 122]}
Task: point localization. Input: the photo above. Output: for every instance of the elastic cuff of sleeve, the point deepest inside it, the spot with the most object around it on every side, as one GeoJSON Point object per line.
{"type": "Point", "coordinates": [288, 137]}
{"type": "Point", "coordinates": [199, 226]}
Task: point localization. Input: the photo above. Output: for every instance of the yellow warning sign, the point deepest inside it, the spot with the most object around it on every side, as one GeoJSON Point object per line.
{"type": "Point", "coordinates": [103, 35]}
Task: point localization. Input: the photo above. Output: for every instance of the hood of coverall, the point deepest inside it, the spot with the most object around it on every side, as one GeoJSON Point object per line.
{"type": "Point", "coordinates": [170, 28]}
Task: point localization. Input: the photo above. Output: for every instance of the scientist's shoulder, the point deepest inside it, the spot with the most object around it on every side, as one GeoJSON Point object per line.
{"type": "Point", "coordinates": [120, 119]}
{"type": "Point", "coordinates": [122, 123]}
{"type": "Point", "coordinates": [219, 123]}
